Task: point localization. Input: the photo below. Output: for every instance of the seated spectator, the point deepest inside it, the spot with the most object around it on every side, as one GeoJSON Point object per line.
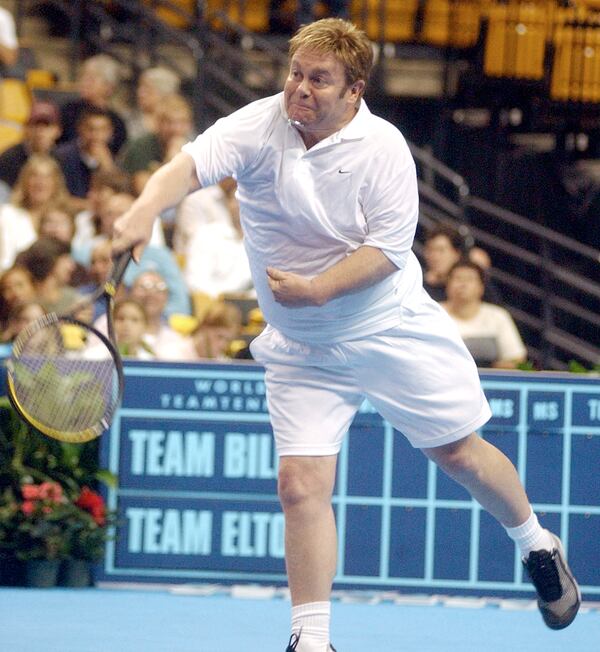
{"type": "Point", "coordinates": [156, 258]}
{"type": "Point", "coordinates": [16, 287]}
{"type": "Point", "coordinates": [488, 330]}
{"type": "Point", "coordinates": [59, 222]}
{"type": "Point", "coordinates": [98, 273]}
{"type": "Point", "coordinates": [151, 290]}
{"type": "Point", "coordinates": [40, 133]}
{"type": "Point", "coordinates": [40, 184]}
{"type": "Point", "coordinates": [9, 44]}
{"type": "Point", "coordinates": [103, 185]}
{"type": "Point", "coordinates": [20, 317]}
{"type": "Point", "coordinates": [131, 324]}
{"type": "Point", "coordinates": [443, 248]}
{"type": "Point", "coordinates": [108, 211]}
{"type": "Point", "coordinates": [212, 338]}
{"type": "Point", "coordinates": [154, 85]}
{"type": "Point", "coordinates": [215, 260]}
{"type": "Point", "coordinates": [98, 80]}
{"type": "Point", "coordinates": [88, 152]}
{"type": "Point", "coordinates": [174, 125]}
{"type": "Point", "coordinates": [50, 264]}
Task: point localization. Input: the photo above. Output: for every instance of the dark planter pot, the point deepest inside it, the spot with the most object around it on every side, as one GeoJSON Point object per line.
{"type": "Point", "coordinates": [75, 573]}
{"type": "Point", "coordinates": [11, 570]}
{"type": "Point", "coordinates": [41, 573]}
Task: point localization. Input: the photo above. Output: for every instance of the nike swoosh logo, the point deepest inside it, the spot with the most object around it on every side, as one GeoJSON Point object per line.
{"type": "Point", "coordinates": [345, 171]}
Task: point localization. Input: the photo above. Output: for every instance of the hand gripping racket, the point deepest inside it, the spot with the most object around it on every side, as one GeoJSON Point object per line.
{"type": "Point", "coordinates": [65, 378]}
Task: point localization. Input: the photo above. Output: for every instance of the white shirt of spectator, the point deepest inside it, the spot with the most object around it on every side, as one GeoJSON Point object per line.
{"type": "Point", "coordinates": [16, 233]}
{"type": "Point", "coordinates": [213, 254]}
{"type": "Point", "coordinates": [305, 210]}
{"type": "Point", "coordinates": [8, 34]}
{"type": "Point", "coordinates": [494, 321]}
{"type": "Point", "coordinates": [199, 208]}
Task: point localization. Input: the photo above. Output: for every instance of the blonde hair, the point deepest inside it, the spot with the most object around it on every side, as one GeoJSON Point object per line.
{"type": "Point", "coordinates": [19, 194]}
{"type": "Point", "coordinates": [103, 66]}
{"type": "Point", "coordinates": [162, 79]}
{"type": "Point", "coordinates": [123, 303]}
{"type": "Point", "coordinates": [344, 40]}
{"type": "Point", "coordinates": [221, 315]}
{"type": "Point", "coordinates": [173, 103]}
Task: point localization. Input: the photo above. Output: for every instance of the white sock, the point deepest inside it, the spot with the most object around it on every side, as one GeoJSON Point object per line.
{"type": "Point", "coordinates": [311, 622]}
{"type": "Point", "coordinates": [530, 536]}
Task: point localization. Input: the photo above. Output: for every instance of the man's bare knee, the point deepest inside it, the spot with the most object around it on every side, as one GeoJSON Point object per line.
{"type": "Point", "coordinates": [457, 458]}
{"type": "Point", "coordinates": [305, 481]}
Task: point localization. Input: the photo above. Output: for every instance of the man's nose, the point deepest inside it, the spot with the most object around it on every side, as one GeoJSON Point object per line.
{"type": "Point", "coordinates": [304, 88]}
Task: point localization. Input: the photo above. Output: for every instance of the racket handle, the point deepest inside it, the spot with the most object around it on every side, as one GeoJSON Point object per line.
{"type": "Point", "coordinates": [120, 264]}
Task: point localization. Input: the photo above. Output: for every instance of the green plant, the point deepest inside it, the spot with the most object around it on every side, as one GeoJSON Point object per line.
{"type": "Point", "coordinates": [47, 508]}
{"type": "Point", "coordinates": [43, 523]}
{"type": "Point", "coordinates": [91, 529]}
{"type": "Point", "coordinates": [27, 455]}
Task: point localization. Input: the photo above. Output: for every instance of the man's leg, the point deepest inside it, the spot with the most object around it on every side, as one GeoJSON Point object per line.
{"type": "Point", "coordinates": [493, 481]}
{"type": "Point", "coordinates": [488, 475]}
{"type": "Point", "coordinates": [305, 490]}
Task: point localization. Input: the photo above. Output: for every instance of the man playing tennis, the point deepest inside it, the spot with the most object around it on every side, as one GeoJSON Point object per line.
{"type": "Point", "coordinates": [329, 206]}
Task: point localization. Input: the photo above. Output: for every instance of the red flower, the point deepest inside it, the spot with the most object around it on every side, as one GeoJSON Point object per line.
{"type": "Point", "coordinates": [93, 503]}
{"type": "Point", "coordinates": [51, 491]}
{"type": "Point", "coordinates": [28, 507]}
{"type": "Point", "coordinates": [30, 492]}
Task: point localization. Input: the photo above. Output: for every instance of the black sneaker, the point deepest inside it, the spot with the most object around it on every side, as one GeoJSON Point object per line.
{"type": "Point", "coordinates": [558, 594]}
{"type": "Point", "coordinates": [295, 639]}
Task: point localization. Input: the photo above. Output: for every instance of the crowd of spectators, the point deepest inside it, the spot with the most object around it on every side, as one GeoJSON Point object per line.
{"type": "Point", "coordinates": [457, 276]}
{"type": "Point", "coordinates": [78, 167]}
{"type": "Point", "coordinates": [81, 165]}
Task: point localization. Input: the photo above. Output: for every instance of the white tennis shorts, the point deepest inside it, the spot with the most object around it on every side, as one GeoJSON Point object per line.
{"type": "Point", "coordinates": [418, 375]}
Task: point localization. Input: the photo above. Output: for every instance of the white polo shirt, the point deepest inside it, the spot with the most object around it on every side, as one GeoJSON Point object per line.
{"type": "Point", "coordinates": [305, 210]}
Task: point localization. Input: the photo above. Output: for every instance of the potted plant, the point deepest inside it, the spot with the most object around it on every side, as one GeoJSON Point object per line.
{"type": "Point", "coordinates": [88, 530]}
{"type": "Point", "coordinates": [39, 537]}
{"type": "Point", "coordinates": [48, 511]}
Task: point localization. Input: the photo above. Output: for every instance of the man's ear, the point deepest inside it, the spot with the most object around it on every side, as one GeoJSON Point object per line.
{"type": "Point", "coordinates": [357, 88]}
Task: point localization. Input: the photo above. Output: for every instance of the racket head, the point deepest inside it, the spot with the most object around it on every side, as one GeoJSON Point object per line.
{"type": "Point", "coordinates": [65, 378]}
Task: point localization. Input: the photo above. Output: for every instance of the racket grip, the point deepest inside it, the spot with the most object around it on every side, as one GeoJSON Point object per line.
{"type": "Point", "coordinates": [120, 264]}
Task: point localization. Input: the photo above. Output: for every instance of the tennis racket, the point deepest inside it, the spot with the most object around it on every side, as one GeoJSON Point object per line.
{"type": "Point", "coordinates": [64, 377]}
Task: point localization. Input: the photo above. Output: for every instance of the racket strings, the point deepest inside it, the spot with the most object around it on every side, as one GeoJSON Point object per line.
{"type": "Point", "coordinates": [65, 378]}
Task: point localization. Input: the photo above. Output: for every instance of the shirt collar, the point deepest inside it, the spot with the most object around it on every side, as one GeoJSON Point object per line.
{"type": "Point", "coordinates": [354, 130]}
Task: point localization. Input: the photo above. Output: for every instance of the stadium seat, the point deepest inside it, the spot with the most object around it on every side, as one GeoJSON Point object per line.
{"type": "Point", "coordinates": [15, 100]}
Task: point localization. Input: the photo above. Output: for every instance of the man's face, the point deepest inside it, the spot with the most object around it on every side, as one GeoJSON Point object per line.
{"type": "Point", "coordinates": [41, 136]}
{"type": "Point", "coordinates": [464, 285]}
{"type": "Point", "coordinates": [148, 97]}
{"type": "Point", "coordinates": [40, 184]}
{"type": "Point", "coordinates": [130, 324]}
{"type": "Point", "coordinates": [316, 94]}
{"type": "Point", "coordinates": [93, 87]}
{"type": "Point", "coordinates": [17, 287]}
{"type": "Point", "coordinates": [57, 224]}
{"type": "Point", "coordinates": [440, 254]}
{"type": "Point", "coordinates": [152, 292]}
{"type": "Point", "coordinates": [115, 206]}
{"type": "Point", "coordinates": [95, 130]}
{"type": "Point", "coordinates": [101, 263]}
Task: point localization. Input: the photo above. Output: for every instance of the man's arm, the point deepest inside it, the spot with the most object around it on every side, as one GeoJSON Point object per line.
{"type": "Point", "coordinates": [165, 188]}
{"type": "Point", "coordinates": [361, 269]}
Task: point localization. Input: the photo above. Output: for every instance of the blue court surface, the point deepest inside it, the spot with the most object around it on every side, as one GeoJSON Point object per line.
{"type": "Point", "coordinates": [250, 619]}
